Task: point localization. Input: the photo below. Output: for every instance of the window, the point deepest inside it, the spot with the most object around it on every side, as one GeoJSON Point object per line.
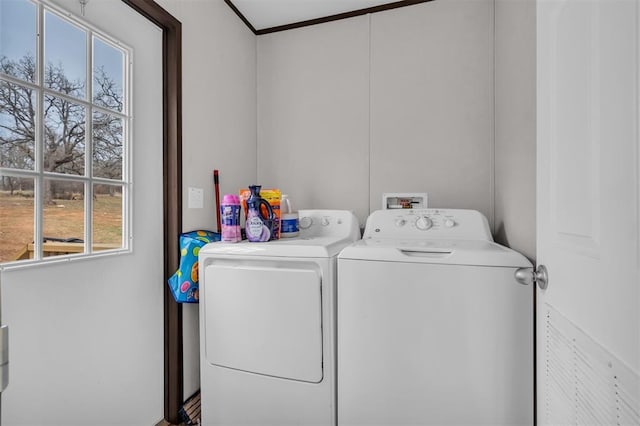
{"type": "Point", "coordinates": [64, 138]}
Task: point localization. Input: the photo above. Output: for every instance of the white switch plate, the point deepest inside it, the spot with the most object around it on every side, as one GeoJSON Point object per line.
{"type": "Point", "coordinates": [196, 198]}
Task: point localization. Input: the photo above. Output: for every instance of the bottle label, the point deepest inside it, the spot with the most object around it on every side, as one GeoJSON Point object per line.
{"type": "Point", "coordinates": [230, 215]}
{"type": "Point", "coordinates": [289, 225]}
{"type": "Point", "coordinates": [230, 223]}
{"type": "Point", "coordinates": [254, 227]}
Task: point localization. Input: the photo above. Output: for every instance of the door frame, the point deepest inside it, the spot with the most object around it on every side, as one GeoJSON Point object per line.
{"type": "Point", "coordinates": [172, 195]}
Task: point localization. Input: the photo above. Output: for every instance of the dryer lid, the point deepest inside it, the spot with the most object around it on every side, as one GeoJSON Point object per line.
{"type": "Point", "coordinates": [323, 233]}
{"type": "Point", "coordinates": [318, 247]}
{"type": "Point", "coordinates": [452, 252]}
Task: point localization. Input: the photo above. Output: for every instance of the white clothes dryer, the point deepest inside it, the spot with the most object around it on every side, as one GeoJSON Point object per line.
{"type": "Point", "coordinates": [433, 328]}
{"type": "Point", "coordinates": [267, 325]}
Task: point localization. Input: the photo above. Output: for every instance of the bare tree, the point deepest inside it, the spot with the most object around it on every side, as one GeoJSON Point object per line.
{"type": "Point", "coordinates": [17, 115]}
{"type": "Point", "coordinates": [107, 128]}
{"type": "Point", "coordinates": [65, 129]}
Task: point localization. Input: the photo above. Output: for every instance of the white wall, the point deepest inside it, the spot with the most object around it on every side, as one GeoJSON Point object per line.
{"type": "Point", "coordinates": [432, 103]}
{"type": "Point", "coordinates": [313, 114]}
{"type": "Point", "coordinates": [515, 173]}
{"type": "Point", "coordinates": [219, 124]}
{"type": "Point", "coordinates": [395, 101]}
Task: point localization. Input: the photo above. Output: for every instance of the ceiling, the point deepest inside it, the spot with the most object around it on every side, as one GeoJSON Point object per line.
{"type": "Point", "coordinates": [264, 16]}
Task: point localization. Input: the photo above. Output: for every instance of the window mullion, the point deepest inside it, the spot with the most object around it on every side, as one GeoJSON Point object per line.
{"type": "Point", "coordinates": [88, 150]}
{"type": "Point", "coordinates": [39, 142]}
{"type": "Point", "coordinates": [127, 174]}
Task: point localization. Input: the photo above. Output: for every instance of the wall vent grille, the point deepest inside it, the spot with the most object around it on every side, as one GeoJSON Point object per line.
{"type": "Point", "coordinates": [585, 384]}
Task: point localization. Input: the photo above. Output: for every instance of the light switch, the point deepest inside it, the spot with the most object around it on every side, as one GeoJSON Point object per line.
{"type": "Point", "coordinates": [196, 198]}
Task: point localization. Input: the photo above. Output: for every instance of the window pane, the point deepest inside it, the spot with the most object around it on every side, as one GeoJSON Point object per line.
{"type": "Point", "coordinates": [17, 126]}
{"type": "Point", "coordinates": [108, 75]}
{"type": "Point", "coordinates": [65, 56]}
{"type": "Point", "coordinates": [63, 217]}
{"type": "Point", "coordinates": [107, 145]}
{"type": "Point", "coordinates": [18, 39]}
{"type": "Point", "coordinates": [64, 139]}
{"type": "Point", "coordinates": [107, 217]}
{"type": "Point", "coordinates": [16, 218]}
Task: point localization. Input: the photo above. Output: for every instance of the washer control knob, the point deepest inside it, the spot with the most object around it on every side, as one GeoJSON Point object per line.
{"type": "Point", "coordinates": [400, 222]}
{"type": "Point", "coordinates": [423, 223]}
{"type": "Point", "coordinates": [449, 223]}
{"type": "Point", "coordinates": [305, 222]}
{"type": "Point", "coordinates": [325, 221]}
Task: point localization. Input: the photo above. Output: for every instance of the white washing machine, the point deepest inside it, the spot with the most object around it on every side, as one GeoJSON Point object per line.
{"type": "Point", "coordinates": [267, 325]}
{"type": "Point", "coordinates": [433, 328]}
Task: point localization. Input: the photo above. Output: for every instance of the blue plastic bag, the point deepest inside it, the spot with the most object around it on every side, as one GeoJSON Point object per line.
{"type": "Point", "coordinates": [184, 283]}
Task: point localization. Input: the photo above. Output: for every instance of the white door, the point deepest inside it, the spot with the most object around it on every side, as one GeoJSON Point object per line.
{"type": "Point", "coordinates": [86, 344]}
{"type": "Point", "coordinates": [588, 318]}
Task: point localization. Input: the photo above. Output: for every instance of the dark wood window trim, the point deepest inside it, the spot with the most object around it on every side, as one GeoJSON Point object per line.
{"type": "Point", "coordinates": [172, 190]}
{"type": "Point", "coordinates": [324, 19]}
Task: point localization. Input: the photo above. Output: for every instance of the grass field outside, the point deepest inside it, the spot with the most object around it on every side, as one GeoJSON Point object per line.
{"type": "Point", "coordinates": [62, 220]}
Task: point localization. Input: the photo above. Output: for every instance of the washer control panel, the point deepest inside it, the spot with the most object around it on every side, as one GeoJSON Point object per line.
{"type": "Point", "coordinates": [326, 223]}
{"type": "Point", "coordinates": [428, 224]}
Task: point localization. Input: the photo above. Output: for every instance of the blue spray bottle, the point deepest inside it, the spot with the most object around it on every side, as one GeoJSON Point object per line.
{"type": "Point", "coordinates": [258, 227]}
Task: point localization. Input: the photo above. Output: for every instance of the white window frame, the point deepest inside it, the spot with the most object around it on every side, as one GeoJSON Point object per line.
{"type": "Point", "coordinates": [88, 180]}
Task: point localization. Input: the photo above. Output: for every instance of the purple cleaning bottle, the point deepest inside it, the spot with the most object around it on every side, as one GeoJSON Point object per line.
{"type": "Point", "coordinates": [258, 227]}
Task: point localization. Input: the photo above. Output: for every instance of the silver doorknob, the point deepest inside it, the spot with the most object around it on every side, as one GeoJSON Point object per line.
{"type": "Point", "coordinates": [528, 276]}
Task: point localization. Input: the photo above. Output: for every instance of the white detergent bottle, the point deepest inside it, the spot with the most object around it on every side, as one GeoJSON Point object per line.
{"type": "Point", "coordinates": [288, 219]}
